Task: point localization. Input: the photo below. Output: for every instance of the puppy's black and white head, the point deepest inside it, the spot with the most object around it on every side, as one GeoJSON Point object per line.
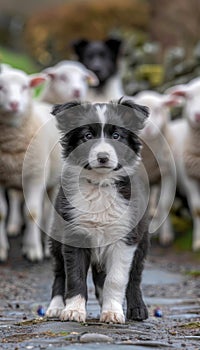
{"type": "Point", "coordinates": [101, 137]}
{"type": "Point", "coordinates": [99, 56]}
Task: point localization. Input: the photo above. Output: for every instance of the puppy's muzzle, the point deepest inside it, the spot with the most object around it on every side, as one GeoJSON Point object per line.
{"type": "Point", "coordinates": [103, 158]}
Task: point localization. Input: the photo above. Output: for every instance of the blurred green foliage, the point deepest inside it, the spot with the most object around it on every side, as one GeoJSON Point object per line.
{"type": "Point", "coordinates": [16, 60]}
{"type": "Point", "coordinates": [154, 73]}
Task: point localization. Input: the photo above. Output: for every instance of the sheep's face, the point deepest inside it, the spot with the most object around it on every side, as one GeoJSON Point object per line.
{"type": "Point", "coordinates": [69, 82]}
{"type": "Point", "coordinates": [69, 85]}
{"type": "Point", "coordinates": [15, 95]}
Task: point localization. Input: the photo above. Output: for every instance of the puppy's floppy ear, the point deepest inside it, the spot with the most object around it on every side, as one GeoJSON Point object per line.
{"type": "Point", "coordinates": [57, 108]}
{"type": "Point", "coordinates": [114, 45]}
{"type": "Point", "coordinates": [134, 115]}
{"type": "Point", "coordinates": [62, 114]}
{"type": "Point", "coordinates": [79, 46]}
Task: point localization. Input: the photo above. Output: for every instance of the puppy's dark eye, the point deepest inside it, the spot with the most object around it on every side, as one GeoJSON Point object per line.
{"type": "Point", "coordinates": [88, 135]}
{"type": "Point", "coordinates": [116, 136]}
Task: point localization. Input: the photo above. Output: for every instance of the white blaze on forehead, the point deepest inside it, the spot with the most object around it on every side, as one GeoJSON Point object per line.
{"type": "Point", "coordinates": [101, 113]}
{"type": "Point", "coordinates": [102, 144]}
{"type": "Point", "coordinates": [102, 117]}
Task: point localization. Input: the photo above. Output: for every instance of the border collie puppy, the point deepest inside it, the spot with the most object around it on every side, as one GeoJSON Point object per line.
{"type": "Point", "coordinates": [101, 57]}
{"type": "Point", "coordinates": [100, 214]}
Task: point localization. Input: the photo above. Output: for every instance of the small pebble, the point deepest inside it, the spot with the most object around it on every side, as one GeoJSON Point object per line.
{"type": "Point", "coordinates": [95, 338]}
{"type": "Point", "coordinates": [158, 312]}
{"type": "Point", "coordinates": [40, 311]}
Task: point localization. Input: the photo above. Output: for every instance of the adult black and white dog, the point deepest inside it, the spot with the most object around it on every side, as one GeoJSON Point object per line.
{"type": "Point", "coordinates": [100, 217]}
{"type": "Point", "coordinates": [102, 58]}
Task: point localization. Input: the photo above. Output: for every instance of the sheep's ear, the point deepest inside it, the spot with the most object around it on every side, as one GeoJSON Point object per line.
{"type": "Point", "coordinates": [36, 80]}
{"type": "Point", "coordinates": [178, 90]}
{"type": "Point", "coordinates": [49, 72]}
{"type": "Point", "coordinates": [79, 46]}
{"type": "Point", "coordinates": [92, 78]}
{"type": "Point", "coordinates": [133, 115]}
{"type": "Point", "coordinates": [62, 112]}
{"type": "Point", "coordinates": [172, 100]}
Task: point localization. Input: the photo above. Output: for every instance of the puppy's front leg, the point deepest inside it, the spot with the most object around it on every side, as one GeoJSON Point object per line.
{"type": "Point", "coordinates": [76, 262]}
{"type": "Point", "coordinates": [118, 263]}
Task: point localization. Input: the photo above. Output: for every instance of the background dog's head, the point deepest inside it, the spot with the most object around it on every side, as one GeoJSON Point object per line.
{"type": "Point", "coordinates": [101, 137]}
{"type": "Point", "coordinates": [99, 56]}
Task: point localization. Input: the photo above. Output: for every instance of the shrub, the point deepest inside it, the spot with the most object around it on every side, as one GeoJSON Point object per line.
{"type": "Point", "coordinates": [48, 35]}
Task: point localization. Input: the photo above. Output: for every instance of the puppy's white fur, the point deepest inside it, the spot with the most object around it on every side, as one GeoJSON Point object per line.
{"type": "Point", "coordinates": [55, 307]}
{"type": "Point", "coordinates": [74, 309]}
{"type": "Point", "coordinates": [116, 280]}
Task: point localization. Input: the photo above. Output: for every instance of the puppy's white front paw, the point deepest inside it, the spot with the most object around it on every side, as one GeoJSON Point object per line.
{"type": "Point", "coordinates": [74, 309]}
{"type": "Point", "coordinates": [54, 311]}
{"type": "Point", "coordinates": [112, 317]}
{"type": "Point", "coordinates": [56, 306]}
{"type": "Point", "coordinates": [73, 315]}
{"type": "Point", "coordinates": [112, 312]}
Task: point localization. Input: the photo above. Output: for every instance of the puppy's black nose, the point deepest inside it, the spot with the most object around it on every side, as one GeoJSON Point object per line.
{"type": "Point", "coordinates": [102, 157]}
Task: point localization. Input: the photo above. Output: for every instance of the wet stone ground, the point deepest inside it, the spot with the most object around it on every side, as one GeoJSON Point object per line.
{"type": "Point", "coordinates": [171, 282]}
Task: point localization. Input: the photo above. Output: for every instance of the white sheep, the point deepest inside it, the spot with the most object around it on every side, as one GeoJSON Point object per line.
{"type": "Point", "coordinates": [21, 129]}
{"type": "Point", "coordinates": [158, 161]}
{"type": "Point", "coordinates": [67, 80]}
{"type": "Point", "coordinates": [185, 143]}
{"type": "Point", "coordinates": [14, 220]}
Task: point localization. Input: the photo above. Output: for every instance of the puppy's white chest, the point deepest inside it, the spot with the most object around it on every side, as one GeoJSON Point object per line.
{"type": "Point", "coordinates": [98, 205]}
{"type": "Point", "coordinates": [101, 211]}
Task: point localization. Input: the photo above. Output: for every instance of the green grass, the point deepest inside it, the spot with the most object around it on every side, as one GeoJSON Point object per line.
{"type": "Point", "coordinates": [183, 228]}
{"type": "Point", "coordinates": [193, 273]}
{"type": "Point", "coordinates": [17, 60]}
{"type": "Point", "coordinates": [183, 241]}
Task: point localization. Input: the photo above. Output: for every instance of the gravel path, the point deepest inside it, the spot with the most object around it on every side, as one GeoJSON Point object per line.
{"type": "Point", "coordinates": [171, 285]}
